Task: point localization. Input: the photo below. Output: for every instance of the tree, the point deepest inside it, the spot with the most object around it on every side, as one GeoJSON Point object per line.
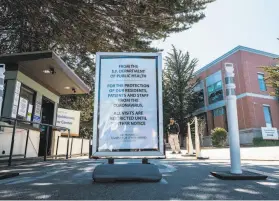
{"type": "Point", "coordinates": [179, 97]}
{"type": "Point", "coordinates": [82, 26]}
{"type": "Point", "coordinates": [272, 78]}
{"type": "Point", "coordinates": [77, 29]}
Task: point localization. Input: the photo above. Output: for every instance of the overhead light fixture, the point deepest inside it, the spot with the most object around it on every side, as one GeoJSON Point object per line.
{"type": "Point", "coordinates": [49, 71]}
{"type": "Point", "coordinates": [67, 87]}
{"type": "Point", "coordinates": [46, 71]}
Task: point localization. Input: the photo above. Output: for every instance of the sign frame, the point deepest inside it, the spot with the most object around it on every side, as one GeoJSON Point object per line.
{"type": "Point", "coordinates": [160, 153]}
{"type": "Point", "coordinates": [265, 135]}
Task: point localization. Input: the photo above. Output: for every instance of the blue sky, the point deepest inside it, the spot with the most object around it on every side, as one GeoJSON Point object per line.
{"type": "Point", "coordinates": [229, 23]}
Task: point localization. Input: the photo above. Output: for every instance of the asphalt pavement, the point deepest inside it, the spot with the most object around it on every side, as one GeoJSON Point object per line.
{"type": "Point", "coordinates": [182, 179]}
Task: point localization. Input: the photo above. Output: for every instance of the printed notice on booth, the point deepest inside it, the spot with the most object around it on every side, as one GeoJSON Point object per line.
{"type": "Point", "coordinates": [128, 106]}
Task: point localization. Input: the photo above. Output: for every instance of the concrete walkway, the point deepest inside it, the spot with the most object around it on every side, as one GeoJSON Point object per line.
{"type": "Point", "coordinates": [247, 153]}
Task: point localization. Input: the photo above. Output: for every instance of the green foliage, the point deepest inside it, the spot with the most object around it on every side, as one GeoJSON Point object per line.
{"type": "Point", "coordinates": [259, 142]}
{"type": "Point", "coordinates": [272, 78]}
{"type": "Point", "coordinates": [82, 26]}
{"type": "Point", "coordinates": [75, 30]}
{"type": "Point", "coordinates": [218, 137]}
{"type": "Point", "coordinates": [179, 97]}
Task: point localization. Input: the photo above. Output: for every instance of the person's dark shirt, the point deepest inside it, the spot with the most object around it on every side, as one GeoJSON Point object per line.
{"type": "Point", "coordinates": [173, 128]}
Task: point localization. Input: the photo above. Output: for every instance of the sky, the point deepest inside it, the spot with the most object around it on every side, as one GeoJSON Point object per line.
{"type": "Point", "coordinates": [229, 23]}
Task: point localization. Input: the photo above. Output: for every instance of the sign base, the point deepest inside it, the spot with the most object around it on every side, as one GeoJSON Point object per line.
{"type": "Point", "coordinates": [126, 172]}
{"type": "Point", "coordinates": [246, 175]}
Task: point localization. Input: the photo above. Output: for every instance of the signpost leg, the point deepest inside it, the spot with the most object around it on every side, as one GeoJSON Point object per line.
{"type": "Point", "coordinates": [110, 161]}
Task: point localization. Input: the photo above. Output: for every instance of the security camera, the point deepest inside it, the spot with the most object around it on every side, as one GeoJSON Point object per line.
{"type": "Point", "coordinates": [74, 90]}
{"type": "Point", "coordinates": [52, 71]}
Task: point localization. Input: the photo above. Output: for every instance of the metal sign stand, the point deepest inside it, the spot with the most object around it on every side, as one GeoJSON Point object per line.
{"type": "Point", "coordinates": [109, 66]}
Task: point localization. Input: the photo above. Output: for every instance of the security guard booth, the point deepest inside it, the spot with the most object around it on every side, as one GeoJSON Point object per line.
{"type": "Point", "coordinates": [33, 84]}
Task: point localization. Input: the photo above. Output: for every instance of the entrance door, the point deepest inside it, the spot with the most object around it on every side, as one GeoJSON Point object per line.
{"type": "Point", "coordinates": [47, 118]}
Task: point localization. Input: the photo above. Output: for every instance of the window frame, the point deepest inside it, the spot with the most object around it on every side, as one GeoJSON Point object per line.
{"type": "Point", "coordinates": [270, 115]}
{"type": "Point", "coordinates": [260, 81]}
{"type": "Point", "coordinates": [216, 90]}
{"type": "Point", "coordinates": [28, 90]}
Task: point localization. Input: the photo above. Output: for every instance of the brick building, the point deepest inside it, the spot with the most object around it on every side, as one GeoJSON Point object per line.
{"type": "Point", "coordinates": [256, 108]}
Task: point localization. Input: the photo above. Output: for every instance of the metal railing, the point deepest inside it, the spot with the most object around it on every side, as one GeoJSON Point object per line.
{"type": "Point", "coordinates": [46, 137]}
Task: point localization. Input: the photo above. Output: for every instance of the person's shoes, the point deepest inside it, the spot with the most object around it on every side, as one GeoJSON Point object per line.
{"type": "Point", "coordinates": [179, 152]}
{"type": "Point", "coordinates": [173, 152]}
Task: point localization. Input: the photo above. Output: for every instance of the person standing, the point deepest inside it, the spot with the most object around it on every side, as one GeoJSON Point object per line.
{"type": "Point", "coordinates": [173, 133]}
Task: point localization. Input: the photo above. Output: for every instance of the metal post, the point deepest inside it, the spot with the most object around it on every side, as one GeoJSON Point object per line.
{"type": "Point", "coordinates": [46, 143]}
{"type": "Point", "coordinates": [197, 139]}
{"type": "Point", "coordinates": [81, 146]}
{"type": "Point", "coordinates": [71, 147]}
{"type": "Point", "coordinates": [67, 151]}
{"type": "Point", "coordinates": [12, 143]}
{"type": "Point", "coordinates": [232, 120]}
{"type": "Point", "coordinates": [190, 140]}
{"type": "Point", "coordinates": [57, 144]}
{"type": "Point", "coordinates": [27, 137]}
{"type": "Point", "coordinates": [90, 149]}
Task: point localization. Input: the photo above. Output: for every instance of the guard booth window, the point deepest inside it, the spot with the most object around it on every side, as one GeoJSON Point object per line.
{"type": "Point", "coordinates": [26, 103]}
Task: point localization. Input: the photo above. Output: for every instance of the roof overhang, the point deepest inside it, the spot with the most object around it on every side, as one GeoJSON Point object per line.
{"type": "Point", "coordinates": [35, 64]}
{"type": "Point", "coordinates": [234, 50]}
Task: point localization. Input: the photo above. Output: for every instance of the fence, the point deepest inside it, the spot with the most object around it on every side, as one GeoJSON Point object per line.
{"type": "Point", "coordinates": [27, 136]}
{"type": "Point", "coordinates": [78, 146]}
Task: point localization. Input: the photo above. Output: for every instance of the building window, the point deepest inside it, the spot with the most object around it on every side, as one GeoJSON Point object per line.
{"type": "Point", "coordinates": [261, 82]}
{"type": "Point", "coordinates": [26, 103]}
{"type": "Point", "coordinates": [200, 99]}
{"type": "Point", "coordinates": [215, 92]}
{"type": "Point", "coordinates": [267, 116]}
{"type": "Point", "coordinates": [218, 112]}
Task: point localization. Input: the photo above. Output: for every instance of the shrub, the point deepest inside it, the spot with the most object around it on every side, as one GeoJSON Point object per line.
{"type": "Point", "coordinates": [219, 137]}
{"type": "Point", "coordinates": [259, 142]}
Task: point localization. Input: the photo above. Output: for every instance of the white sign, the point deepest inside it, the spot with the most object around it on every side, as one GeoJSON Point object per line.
{"type": "Point", "coordinates": [68, 119]}
{"type": "Point", "coordinates": [16, 99]}
{"type": "Point", "coordinates": [269, 133]}
{"type": "Point", "coordinates": [37, 112]}
{"type": "Point", "coordinates": [22, 109]}
{"type": "Point", "coordinates": [29, 114]}
{"type": "Point", "coordinates": [128, 105]}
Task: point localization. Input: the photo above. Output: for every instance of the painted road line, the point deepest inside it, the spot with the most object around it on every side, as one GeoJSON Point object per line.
{"type": "Point", "coordinates": [168, 169]}
{"type": "Point", "coordinates": [163, 181]}
{"type": "Point", "coordinates": [261, 172]}
{"type": "Point", "coordinates": [4, 181]}
{"type": "Point", "coordinates": [21, 180]}
{"type": "Point", "coordinates": [85, 171]}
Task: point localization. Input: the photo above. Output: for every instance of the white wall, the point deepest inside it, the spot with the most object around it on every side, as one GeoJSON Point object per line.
{"type": "Point", "coordinates": [76, 148]}
{"type": "Point", "coordinates": [19, 142]}
{"type": "Point", "coordinates": [62, 145]}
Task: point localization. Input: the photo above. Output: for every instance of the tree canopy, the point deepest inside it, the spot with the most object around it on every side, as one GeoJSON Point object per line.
{"type": "Point", "coordinates": [179, 82]}
{"type": "Point", "coordinates": [82, 26]}
{"type": "Point", "coordinates": [272, 78]}
{"type": "Point", "coordinates": [76, 29]}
